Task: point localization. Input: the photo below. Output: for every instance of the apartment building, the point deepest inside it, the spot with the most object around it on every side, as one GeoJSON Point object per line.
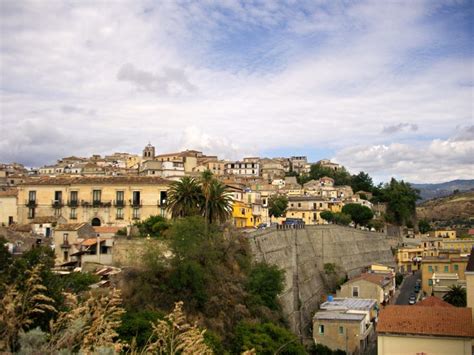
{"type": "Point", "coordinates": [242, 168]}
{"type": "Point", "coordinates": [8, 206]}
{"type": "Point", "coordinates": [113, 201]}
{"type": "Point", "coordinates": [309, 208]}
{"type": "Point", "coordinates": [377, 286]}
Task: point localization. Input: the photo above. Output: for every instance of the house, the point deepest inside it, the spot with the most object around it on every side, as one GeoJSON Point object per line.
{"type": "Point", "coordinates": [377, 286]}
{"type": "Point", "coordinates": [44, 225]}
{"type": "Point", "coordinates": [345, 324]}
{"type": "Point", "coordinates": [443, 233]}
{"type": "Point", "coordinates": [96, 250]}
{"type": "Point", "coordinates": [408, 259]}
{"type": "Point", "coordinates": [114, 201]}
{"type": "Point", "coordinates": [8, 206]}
{"type": "Point", "coordinates": [106, 231]}
{"type": "Point", "coordinates": [67, 242]}
{"type": "Point", "coordinates": [425, 329]}
{"type": "Point", "coordinates": [309, 208]}
{"type": "Point", "coordinates": [242, 168]}
{"type": "Point", "coordinates": [449, 265]}
{"type": "Point", "coordinates": [469, 275]}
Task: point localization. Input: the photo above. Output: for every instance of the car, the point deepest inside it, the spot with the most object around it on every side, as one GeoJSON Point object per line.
{"type": "Point", "coordinates": [412, 299]}
{"type": "Point", "coordinates": [417, 288]}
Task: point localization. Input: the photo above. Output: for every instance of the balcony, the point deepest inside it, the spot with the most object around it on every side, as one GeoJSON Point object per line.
{"type": "Point", "coordinates": [136, 203]}
{"type": "Point", "coordinates": [57, 203]}
{"type": "Point", "coordinates": [65, 245]}
{"type": "Point", "coordinates": [136, 217]}
{"type": "Point", "coordinates": [30, 203]}
{"type": "Point", "coordinates": [73, 203]}
{"type": "Point", "coordinates": [98, 203]}
{"type": "Point", "coordinates": [119, 203]}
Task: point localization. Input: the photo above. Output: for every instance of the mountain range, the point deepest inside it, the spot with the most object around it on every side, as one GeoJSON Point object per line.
{"type": "Point", "coordinates": [430, 191]}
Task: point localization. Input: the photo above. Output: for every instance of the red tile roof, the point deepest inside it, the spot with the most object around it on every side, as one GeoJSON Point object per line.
{"type": "Point", "coordinates": [438, 321]}
{"type": "Point", "coordinates": [378, 279]}
{"type": "Point", "coordinates": [433, 301]}
{"type": "Point", "coordinates": [99, 180]}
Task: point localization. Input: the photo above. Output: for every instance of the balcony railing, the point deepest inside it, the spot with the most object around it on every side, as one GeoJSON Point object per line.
{"type": "Point", "coordinates": [119, 203]}
{"type": "Point", "coordinates": [57, 203]}
{"type": "Point", "coordinates": [73, 203]}
{"type": "Point", "coordinates": [98, 203]}
{"type": "Point", "coordinates": [136, 203]}
{"type": "Point", "coordinates": [65, 244]}
{"type": "Point", "coordinates": [136, 217]}
{"type": "Point", "coordinates": [72, 217]}
{"type": "Point", "coordinates": [30, 203]}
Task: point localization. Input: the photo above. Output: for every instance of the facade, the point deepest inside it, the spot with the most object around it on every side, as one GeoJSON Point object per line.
{"type": "Point", "coordinates": [446, 263]}
{"type": "Point", "coordinates": [8, 206]}
{"type": "Point", "coordinates": [469, 274]}
{"type": "Point", "coordinates": [242, 168]}
{"type": "Point", "coordinates": [464, 246]}
{"type": "Point", "coordinates": [113, 201]}
{"type": "Point", "coordinates": [443, 233]}
{"type": "Point", "coordinates": [425, 330]}
{"type": "Point", "coordinates": [408, 259]}
{"type": "Point", "coordinates": [376, 286]}
{"type": "Point", "coordinates": [309, 208]}
{"type": "Point", "coordinates": [67, 241]}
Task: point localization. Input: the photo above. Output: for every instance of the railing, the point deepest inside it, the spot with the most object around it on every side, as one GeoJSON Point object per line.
{"type": "Point", "coordinates": [119, 203]}
{"type": "Point", "coordinates": [136, 203]}
{"type": "Point", "coordinates": [57, 203]}
{"type": "Point", "coordinates": [30, 203]}
{"type": "Point", "coordinates": [136, 217]}
{"type": "Point", "coordinates": [118, 217]}
{"type": "Point", "coordinates": [98, 203]}
{"type": "Point", "coordinates": [72, 217]}
{"type": "Point", "coordinates": [73, 203]}
{"type": "Point", "coordinates": [65, 244]}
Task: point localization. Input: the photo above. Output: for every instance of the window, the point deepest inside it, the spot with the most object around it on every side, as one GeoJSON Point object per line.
{"type": "Point", "coordinates": [136, 213]}
{"type": "Point", "coordinates": [65, 238]}
{"type": "Point", "coordinates": [456, 267]}
{"type": "Point", "coordinates": [303, 214]}
{"type": "Point", "coordinates": [436, 268]}
{"type": "Point", "coordinates": [32, 196]}
{"type": "Point", "coordinates": [341, 330]}
{"type": "Point", "coordinates": [430, 268]}
{"type": "Point", "coordinates": [96, 195]}
{"type": "Point", "coordinates": [136, 198]}
{"type": "Point", "coordinates": [321, 329]}
{"type": "Point", "coordinates": [73, 213]}
{"type": "Point", "coordinates": [73, 196]}
{"type": "Point", "coordinates": [66, 255]}
{"type": "Point", "coordinates": [119, 213]}
{"type": "Point", "coordinates": [430, 282]}
{"type": "Point", "coordinates": [299, 204]}
{"type": "Point", "coordinates": [446, 268]}
{"type": "Point", "coordinates": [57, 212]}
{"type": "Point", "coordinates": [355, 291]}
{"type": "Point", "coordinates": [163, 198]}
{"type": "Point", "coordinates": [119, 195]}
{"type": "Point", "coordinates": [31, 212]}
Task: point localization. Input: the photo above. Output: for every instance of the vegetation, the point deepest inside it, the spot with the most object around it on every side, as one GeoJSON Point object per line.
{"type": "Point", "coordinates": [320, 349]}
{"type": "Point", "coordinates": [359, 214]}
{"type": "Point", "coordinates": [277, 205]}
{"type": "Point", "coordinates": [342, 218]}
{"type": "Point", "coordinates": [153, 226]}
{"type": "Point", "coordinates": [398, 279]}
{"type": "Point", "coordinates": [456, 296]}
{"type": "Point", "coordinates": [362, 182]}
{"type": "Point", "coordinates": [341, 176]}
{"type": "Point", "coordinates": [265, 283]}
{"type": "Point", "coordinates": [328, 216]}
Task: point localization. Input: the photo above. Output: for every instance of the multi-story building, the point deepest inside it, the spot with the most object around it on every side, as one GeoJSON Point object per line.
{"type": "Point", "coordinates": [8, 206]}
{"type": "Point", "coordinates": [443, 233]}
{"type": "Point", "coordinates": [309, 208]}
{"type": "Point", "coordinates": [326, 163]}
{"type": "Point", "coordinates": [299, 164]}
{"type": "Point", "coordinates": [446, 265]}
{"type": "Point", "coordinates": [242, 168]}
{"type": "Point", "coordinates": [376, 286]}
{"type": "Point", "coordinates": [67, 241]}
{"type": "Point", "coordinates": [114, 201]}
{"type": "Point", "coordinates": [464, 246]}
{"type": "Point", "coordinates": [408, 259]}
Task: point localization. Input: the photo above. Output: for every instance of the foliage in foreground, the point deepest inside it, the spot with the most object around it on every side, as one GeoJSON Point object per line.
{"type": "Point", "coordinates": [456, 296]}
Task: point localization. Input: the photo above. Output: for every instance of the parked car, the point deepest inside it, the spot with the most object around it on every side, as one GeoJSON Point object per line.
{"type": "Point", "coordinates": [293, 221]}
{"type": "Point", "coordinates": [417, 288]}
{"type": "Point", "coordinates": [412, 299]}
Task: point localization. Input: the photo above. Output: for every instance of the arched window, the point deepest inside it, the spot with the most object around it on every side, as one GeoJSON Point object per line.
{"type": "Point", "coordinates": [95, 222]}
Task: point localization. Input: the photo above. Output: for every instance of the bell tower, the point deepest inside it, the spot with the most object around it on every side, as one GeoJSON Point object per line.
{"type": "Point", "coordinates": [149, 152]}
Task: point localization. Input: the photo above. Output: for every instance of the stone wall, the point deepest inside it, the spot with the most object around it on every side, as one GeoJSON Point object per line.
{"type": "Point", "coordinates": [302, 253]}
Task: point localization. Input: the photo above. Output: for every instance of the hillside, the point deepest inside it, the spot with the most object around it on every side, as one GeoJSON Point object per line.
{"type": "Point", "coordinates": [431, 191]}
{"type": "Point", "coordinates": [456, 208]}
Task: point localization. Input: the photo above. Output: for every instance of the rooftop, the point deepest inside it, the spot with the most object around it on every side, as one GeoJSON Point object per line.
{"type": "Point", "coordinates": [329, 315]}
{"type": "Point", "coordinates": [106, 229]}
{"type": "Point", "coordinates": [99, 180]}
{"type": "Point", "coordinates": [349, 303]}
{"type": "Point", "coordinates": [379, 278]}
{"type": "Point", "coordinates": [70, 226]}
{"type": "Point", "coordinates": [433, 301]}
{"type": "Point", "coordinates": [437, 321]}
{"type": "Point", "coordinates": [8, 192]}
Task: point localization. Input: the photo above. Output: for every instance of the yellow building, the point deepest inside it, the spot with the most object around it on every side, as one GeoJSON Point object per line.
{"type": "Point", "coordinates": [469, 273]}
{"type": "Point", "coordinates": [443, 233]}
{"type": "Point", "coordinates": [408, 259]}
{"type": "Point", "coordinates": [242, 215]}
{"type": "Point", "coordinates": [114, 201]}
{"type": "Point", "coordinates": [8, 206]}
{"type": "Point", "coordinates": [446, 263]}
{"type": "Point", "coordinates": [464, 246]}
{"type": "Point", "coordinates": [309, 208]}
{"type": "Point", "coordinates": [424, 330]}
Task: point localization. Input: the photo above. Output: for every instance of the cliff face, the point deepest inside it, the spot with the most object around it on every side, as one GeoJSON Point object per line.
{"type": "Point", "coordinates": [302, 253]}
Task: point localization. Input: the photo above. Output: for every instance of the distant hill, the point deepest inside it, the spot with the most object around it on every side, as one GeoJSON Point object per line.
{"type": "Point", "coordinates": [430, 191]}
{"type": "Point", "coordinates": [456, 207]}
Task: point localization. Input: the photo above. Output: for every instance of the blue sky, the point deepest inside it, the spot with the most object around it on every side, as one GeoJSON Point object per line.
{"type": "Point", "coordinates": [380, 86]}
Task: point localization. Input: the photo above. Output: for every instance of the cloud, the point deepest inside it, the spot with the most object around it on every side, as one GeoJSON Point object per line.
{"type": "Point", "coordinates": [172, 81]}
{"type": "Point", "coordinates": [77, 110]}
{"type": "Point", "coordinates": [400, 127]}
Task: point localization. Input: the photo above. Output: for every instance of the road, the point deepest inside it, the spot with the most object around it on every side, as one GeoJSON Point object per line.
{"type": "Point", "coordinates": [408, 288]}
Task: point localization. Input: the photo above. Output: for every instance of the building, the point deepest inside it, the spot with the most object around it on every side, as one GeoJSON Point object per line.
{"type": "Point", "coordinates": [345, 324]}
{"type": "Point", "coordinates": [67, 242]}
{"type": "Point", "coordinates": [376, 286]}
{"type": "Point", "coordinates": [408, 259]}
{"type": "Point", "coordinates": [464, 245]}
{"type": "Point", "coordinates": [443, 233]}
{"type": "Point", "coordinates": [309, 208]}
{"type": "Point", "coordinates": [449, 265]}
{"type": "Point", "coordinates": [8, 206]}
{"type": "Point", "coordinates": [425, 330]}
{"type": "Point", "coordinates": [114, 201]}
{"type": "Point", "coordinates": [242, 168]}
{"type": "Point", "coordinates": [469, 274]}
{"type": "Point", "coordinates": [326, 163]}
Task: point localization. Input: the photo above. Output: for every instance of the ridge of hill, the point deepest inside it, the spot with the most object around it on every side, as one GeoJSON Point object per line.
{"type": "Point", "coordinates": [456, 207]}
{"type": "Point", "coordinates": [431, 191]}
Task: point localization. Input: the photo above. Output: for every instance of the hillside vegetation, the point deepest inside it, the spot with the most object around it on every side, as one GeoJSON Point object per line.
{"type": "Point", "coordinates": [457, 208]}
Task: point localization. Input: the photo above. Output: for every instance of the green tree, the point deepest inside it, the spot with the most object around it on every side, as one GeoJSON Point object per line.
{"type": "Point", "coordinates": [153, 226]}
{"type": "Point", "coordinates": [327, 216]}
{"type": "Point", "coordinates": [277, 205]}
{"type": "Point", "coordinates": [362, 182]}
{"type": "Point", "coordinates": [424, 226]}
{"type": "Point", "coordinates": [266, 339]}
{"type": "Point", "coordinates": [184, 197]}
{"type": "Point", "coordinates": [219, 204]}
{"type": "Point", "coordinates": [456, 296]}
{"type": "Point", "coordinates": [137, 324]}
{"type": "Point", "coordinates": [401, 201]}
{"type": "Point", "coordinates": [265, 283]}
{"type": "Point", "coordinates": [360, 214]}
{"type": "Point", "coordinates": [340, 176]}
{"type": "Point", "coordinates": [377, 224]}
{"type": "Point", "coordinates": [206, 180]}
{"type": "Point", "coordinates": [342, 218]}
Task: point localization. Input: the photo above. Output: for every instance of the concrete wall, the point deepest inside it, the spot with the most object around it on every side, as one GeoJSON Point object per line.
{"type": "Point", "coordinates": [302, 253]}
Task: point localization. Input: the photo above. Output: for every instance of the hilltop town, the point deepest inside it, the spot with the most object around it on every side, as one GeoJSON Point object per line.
{"type": "Point", "coordinates": [362, 262]}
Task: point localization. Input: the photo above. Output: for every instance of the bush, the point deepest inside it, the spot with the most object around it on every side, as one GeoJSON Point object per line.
{"type": "Point", "coordinates": [320, 349]}
{"type": "Point", "coordinates": [153, 226]}
{"type": "Point", "coordinates": [398, 279]}
{"type": "Point", "coordinates": [137, 324]}
{"type": "Point", "coordinates": [265, 283]}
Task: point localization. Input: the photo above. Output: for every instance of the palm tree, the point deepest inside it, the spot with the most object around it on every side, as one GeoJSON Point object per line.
{"type": "Point", "coordinates": [456, 296]}
{"type": "Point", "coordinates": [206, 181]}
{"type": "Point", "coordinates": [184, 197]}
{"type": "Point", "coordinates": [219, 204]}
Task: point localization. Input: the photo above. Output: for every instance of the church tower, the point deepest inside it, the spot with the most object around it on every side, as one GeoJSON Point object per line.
{"type": "Point", "coordinates": [149, 152]}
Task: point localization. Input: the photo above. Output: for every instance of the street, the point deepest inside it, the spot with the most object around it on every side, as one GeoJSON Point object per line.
{"type": "Point", "coordinates": [408, 287]}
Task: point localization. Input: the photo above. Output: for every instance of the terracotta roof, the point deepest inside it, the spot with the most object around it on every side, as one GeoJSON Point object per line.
{"type": "Point", "coordinates": [20, 227]}
{"type": "Point", "coordinates": [8, 192]}
{"type": "Point", "coordinates": [89, 242]}
{"type": "Point", "coordinates": [439, 321]}
{"type": "Point", "coordinates": [98, 180]}
{"type": "Point", "coordinates": [106, 229]}
{"type": "Point", "coordinates": [44, 219]}
{"type": "Point", "coordinates": [433, 301]}
{"type": "Point", "coordinates": [378, 279]}
{"type": "Point", "coordinates": [470, 263]}
{"type": "Point", "coordinates": [70, 226]}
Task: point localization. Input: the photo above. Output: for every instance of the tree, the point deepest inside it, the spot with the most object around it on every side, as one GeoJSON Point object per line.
{"type": "Point", "coordinates": [219, 203]}
{"type": "Point", "coordinates": [362, 182]}
{"type": "Point", "coordinates": [340, 176]}
{"type": "Point", "coordinates": [206, 180]}
{"type": "Point", "coordinates": [424, 226]}
{"type": "Point", "coordinates": [327, 216]}
{"type": "Point", "coordinates": [184, 197]}
{"type": "Point", "coordinates": [342, 218]}
{"type": "Point", "coordinates": [377, 224]}
{"type": "Point", "coordinates": [359, 214]}
{"type": "Point", "coordinates": [277, 205]}
{"type": "Point", "coordinates": [401, 201]}
{"type": "Point", "coordinates": [456, 296]}
{"type": "Point", "coordinates": [265, 283]}
{"type": "Point", "coordinates": [153, 226]}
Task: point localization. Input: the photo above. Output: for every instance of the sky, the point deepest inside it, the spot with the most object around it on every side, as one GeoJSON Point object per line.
{"type": "Point", "coordinates": [384, 87]}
